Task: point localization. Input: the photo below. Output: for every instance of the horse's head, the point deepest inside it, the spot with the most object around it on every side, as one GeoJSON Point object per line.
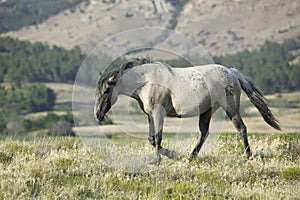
{"type": "Point", "coordinates": [106, 92]}
{"type": "Point", "coordinates": [106, 95]}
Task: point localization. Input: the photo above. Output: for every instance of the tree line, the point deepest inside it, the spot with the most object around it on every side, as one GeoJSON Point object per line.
{"type": "Point", "coordinates": [15, 14]}
{"type": "Point", "coordinates": [27, 99]}
{"type": "Point", "coordinates": [15, 103]}
{"type": "Point", "coordinates": [24, 62]}
{"type": "Point", "coordinates": [23, 68]}
{"type": "Point", "coordinates": [274, 67]}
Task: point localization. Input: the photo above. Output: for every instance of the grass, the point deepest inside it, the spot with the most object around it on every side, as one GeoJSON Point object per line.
{"type": "Point", "coordinates": [63, 168]}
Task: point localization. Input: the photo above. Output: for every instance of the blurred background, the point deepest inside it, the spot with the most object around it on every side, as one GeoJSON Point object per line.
{"type": "Point", "coordinates": [44, 42]}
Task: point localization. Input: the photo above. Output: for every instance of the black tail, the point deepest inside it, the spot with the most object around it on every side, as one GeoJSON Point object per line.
{"type": "Point", "coordinates": [257, 99]}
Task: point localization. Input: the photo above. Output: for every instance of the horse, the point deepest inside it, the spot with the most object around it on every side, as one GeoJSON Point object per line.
{"type": "Point", "coordinates": [162, 90]}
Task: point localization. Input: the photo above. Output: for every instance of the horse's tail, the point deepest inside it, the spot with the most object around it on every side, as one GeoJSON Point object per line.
{"type": "Point", "coordinates": [257, 99]}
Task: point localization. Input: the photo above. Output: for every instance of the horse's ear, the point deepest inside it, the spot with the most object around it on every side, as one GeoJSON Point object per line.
{"type": "Point", "coordinates": [100, 74]}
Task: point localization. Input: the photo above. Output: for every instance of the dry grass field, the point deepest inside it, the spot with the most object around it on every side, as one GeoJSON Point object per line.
{"type": "Point", "coordinates": [64, 168]}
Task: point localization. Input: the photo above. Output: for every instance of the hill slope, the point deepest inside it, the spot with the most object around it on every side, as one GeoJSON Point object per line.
{"type": "Point", "coordinates": [231, 26]}
{"type": "Point", "coordinates": [16, 14]}
{"type": "Point", "coordinates": [220, 26]}
{"type": "Point", "coordinates": [91, 24]}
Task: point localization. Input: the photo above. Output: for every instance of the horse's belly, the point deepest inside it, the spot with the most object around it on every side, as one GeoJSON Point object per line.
{"type": "Point", "coordinates": [190, 94]}
{"type": "Point", "coordinates": [190, 106]}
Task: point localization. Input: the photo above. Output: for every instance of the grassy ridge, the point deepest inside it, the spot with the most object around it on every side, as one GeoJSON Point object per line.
{"type": "Point", "coordinates": [49, 168]}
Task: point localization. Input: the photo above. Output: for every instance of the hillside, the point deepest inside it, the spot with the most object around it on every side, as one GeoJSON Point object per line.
{"type": "Point", "coordinates": [220, 26]}
{"type": "Point", "coordinates": [231, 26]}
{"type": "Point", "coordinates": [16, 14]}
{"type": "Point", "coordinates": [93, 23]}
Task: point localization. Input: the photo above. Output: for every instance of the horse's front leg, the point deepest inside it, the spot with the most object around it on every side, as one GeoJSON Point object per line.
{"type": "Point", "coordinates": [156, 121]}
{"type": "Point", "coordinates": [151, 137]}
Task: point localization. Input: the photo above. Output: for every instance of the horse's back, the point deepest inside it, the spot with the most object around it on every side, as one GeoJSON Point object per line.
{"type": "Point", "coordinates": [198, 87]}
{"type": "Point", "coordinates": [192, 90]}
{"type": "Point", "coordinates": [211, 76]}
{"type": "Point", "coordinates": [210, 84]}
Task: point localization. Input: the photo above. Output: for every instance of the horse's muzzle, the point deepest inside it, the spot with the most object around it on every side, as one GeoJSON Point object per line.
{"type": "Point", "coordinates": [100, 116]}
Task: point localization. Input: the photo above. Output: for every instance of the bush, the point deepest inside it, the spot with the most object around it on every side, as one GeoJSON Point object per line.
{"type": "Point", "coordinates": [106, 121]}
{"type": "Point", "coordinates": [5, 158]}
{"type": "Point", "coordinates": [290, 174]}
{"type": "Point", "coordinates": [181, 188]}
{"type": "Point", "coordinates": [56, 125]}
{"type": "Point", "coordinates": [61, 128]}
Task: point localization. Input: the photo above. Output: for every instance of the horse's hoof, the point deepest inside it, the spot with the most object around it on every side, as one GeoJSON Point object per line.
{"type": "Point", "coordinates": [192, 158]}
{"type": "Point", "coordinates": [249, 155]}
{"type": "Point", "coordinates": [172, 155]}
{"type": "Point", "coordinates": [156, 161]}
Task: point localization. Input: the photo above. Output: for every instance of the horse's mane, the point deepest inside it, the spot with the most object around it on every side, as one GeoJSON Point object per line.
{"type": "Point", "coordinates": [135, 62]}
{"type": "Point", "coordinates": [127, 65]}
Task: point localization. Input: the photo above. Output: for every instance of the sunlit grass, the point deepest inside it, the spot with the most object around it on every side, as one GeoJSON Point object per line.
{"type": "Point", "coordinates": [50, 168]}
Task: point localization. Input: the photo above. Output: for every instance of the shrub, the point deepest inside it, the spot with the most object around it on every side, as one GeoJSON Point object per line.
{"type": "Point", "coordinates": [61, 128]}
{"type": "Point", "coordinates": [208, 176]}
{"type": "Point", "coordinates": [290, 174]}
{"type": "Point", "coordinates": [106, 121]}
{"type": "Point", "coordinates": [34, 187]}
{"type": "Point", "coordinates": [63, 164]}
{"type": "Point", "coordinates": [181, 188]}
{"type": "Point", "coordinates": [56, 125]}
{"type": "Point", "coordinates": [5, 158]}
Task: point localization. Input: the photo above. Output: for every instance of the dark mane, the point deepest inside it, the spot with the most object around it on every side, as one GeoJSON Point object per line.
{"type": "Point", "coordinates": [127, 65]}
{"type": "Point", "coordinates": [136, 62]}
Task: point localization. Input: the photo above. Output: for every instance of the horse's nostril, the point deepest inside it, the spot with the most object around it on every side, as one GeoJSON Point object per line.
{"type": "Point", "coordinates": [99, 116]}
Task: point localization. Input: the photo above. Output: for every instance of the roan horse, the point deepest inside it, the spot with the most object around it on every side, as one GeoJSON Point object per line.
{"type": "Point", "coordinates": [180, 92]}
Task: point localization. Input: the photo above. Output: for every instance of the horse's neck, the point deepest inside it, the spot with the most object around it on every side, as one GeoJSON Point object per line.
{"type": "Point", "coordinates": [130, 83]}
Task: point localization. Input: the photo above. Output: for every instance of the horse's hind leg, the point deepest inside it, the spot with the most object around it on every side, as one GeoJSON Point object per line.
{"type": "Point", "coordinates": [204, 120]}
{"type": "Point", "coordinates": [151, 137]}
{"type": "Point", "coordinates": [240, 126]}
{"type": "Point", "coordinates": [232, 111]}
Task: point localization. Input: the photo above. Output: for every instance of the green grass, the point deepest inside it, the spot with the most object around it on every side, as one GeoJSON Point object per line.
{"type": "Point", "coordinates": [56, 167]}
{"type": "Point", "coordinates": [290, 174]}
